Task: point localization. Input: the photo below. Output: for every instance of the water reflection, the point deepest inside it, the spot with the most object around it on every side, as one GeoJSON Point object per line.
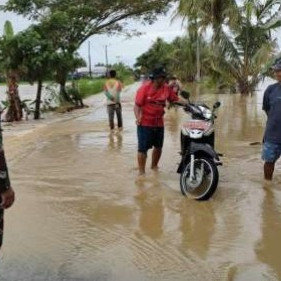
{"type": "Point", "coordinates": [115, 140]}
{"type": "Point", "coordinates": [268, 249]}
{"type": "Point", "coordinates": [151, 210]}
{"type": "Point", "coordinates": [197, 227]}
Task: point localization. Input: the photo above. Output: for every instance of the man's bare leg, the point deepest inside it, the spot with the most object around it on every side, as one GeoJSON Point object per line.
{"type": "Point", "coordinates": [268, 171]}
{"type": "Point", "coordinates": [142, 161]}
{"type": "Point", "coordinates": [156, 155]}
{"type": "Point", "coordinates": [268, 175]}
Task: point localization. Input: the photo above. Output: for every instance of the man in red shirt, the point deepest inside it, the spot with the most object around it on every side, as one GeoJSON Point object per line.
{"type": "Point", "coordinates": [149, 110]}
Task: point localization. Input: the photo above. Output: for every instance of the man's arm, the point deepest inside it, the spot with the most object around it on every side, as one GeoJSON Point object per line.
{"type": "Point", "coordinates": [6, 191]}
{"type": "Point", "coordinates": [139, 102]}
{"type": "Point", "coordinates": [266, 104]}
{"type": "Point", "coordinates": [138, 114]}
{"type": "Point", "coordinates": [107, 93]}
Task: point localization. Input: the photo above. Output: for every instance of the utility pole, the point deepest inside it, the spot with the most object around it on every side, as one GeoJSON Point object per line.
{"type": "Point", "coordinates": [198, 62]}
{"type": "Point", "coordinates": [106, 59]}
{"type": "Point", "coordinates": [198, 55]}
{"type": "Point", "coordinates": [90, 59]}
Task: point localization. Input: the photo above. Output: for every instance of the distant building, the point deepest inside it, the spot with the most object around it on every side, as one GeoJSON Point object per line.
{"type": "Point", "coordinates": [97, 71]}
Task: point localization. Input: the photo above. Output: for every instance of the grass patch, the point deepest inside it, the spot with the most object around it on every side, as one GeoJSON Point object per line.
{"type": "Point", "coordinates": [128, 80]}
{"type": "Point", "coordinates": [19, 83]}
{"type": "Point", "coordinates": [89, 87]}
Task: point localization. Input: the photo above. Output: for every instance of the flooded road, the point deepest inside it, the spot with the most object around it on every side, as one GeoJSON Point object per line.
{"type": "Point", "coordinates": [81, 216]}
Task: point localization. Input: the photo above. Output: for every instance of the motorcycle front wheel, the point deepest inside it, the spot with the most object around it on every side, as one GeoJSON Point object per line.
{"type": "Point", "coordinates": [205, 181]}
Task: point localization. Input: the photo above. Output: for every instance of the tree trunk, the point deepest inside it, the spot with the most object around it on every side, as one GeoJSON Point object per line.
{"type": "Point", "coordinates": [14, 112]}
{"type": "Point", "coordinates": [38, 101]}
{"type": "Point", "coordinates": [198, 56]}
{"type": "Point", "coordinates": [63, 93]}
{"type": "Point", "coordinates": [244, 88]}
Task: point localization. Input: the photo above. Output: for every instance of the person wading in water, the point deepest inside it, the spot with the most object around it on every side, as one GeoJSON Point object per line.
{"type": "Point", "coordinates": [112, 91]}
{"type": "Point", "coordinates": [149, 109]}
{"type": "Point", "coordinates": [272, 137]}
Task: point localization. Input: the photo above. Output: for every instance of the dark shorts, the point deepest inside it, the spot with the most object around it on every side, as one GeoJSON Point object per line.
{"type": "Point", "coordinates": [149, 137]}
{"type": "Point", "coordinates": [271, 152]}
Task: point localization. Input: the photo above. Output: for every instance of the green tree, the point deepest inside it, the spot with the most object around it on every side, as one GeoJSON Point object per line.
{"type": "Point", "coordinates": [158, 54]}
{"type": "Point", "coordinates": [243, 51]}
{"type": "Point", "coordinates": [184, 57]}
{"type": "Point", "coordinates": [69, 23]}
{"type": "Point", "coordinates": [62, 64]}
{"type": "Point", "coordinates": [8, 30]}
{"type": "Point", "coordinates": [202, 14]}
{"type": "Point", "coordinates": [178, 57]}
{"type": "Point", "coordinates": [123, 71]}
{"type": "Point", "coordinates": [242, 42]}
{"type": "Point", "coordinates": [35, 56]}
{"type": "Point", "coordinates": [36, 59]}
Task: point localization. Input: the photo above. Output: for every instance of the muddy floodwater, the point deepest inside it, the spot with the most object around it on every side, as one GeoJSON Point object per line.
{"type": "Point", "coordinates": [80, 215]}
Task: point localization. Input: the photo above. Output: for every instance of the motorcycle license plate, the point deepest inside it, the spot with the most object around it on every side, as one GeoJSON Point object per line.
{"type": "Point", "coordinates": [197, 125]}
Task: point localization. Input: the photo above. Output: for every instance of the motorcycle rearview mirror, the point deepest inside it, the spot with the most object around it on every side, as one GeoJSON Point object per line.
{"type": "Point", "coordinates": [217, 105]}
{"type": "Point", "coordinates": [185, 95]}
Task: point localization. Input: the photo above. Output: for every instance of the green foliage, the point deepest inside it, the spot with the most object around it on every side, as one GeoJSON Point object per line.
{"type": "Point", "coordinates": [242, 42]}
{"type": "Point", "coordinates": [71, 22]}
{"type": "Point", "coordinates": [5, 104]}
{"type": "Point", "coordinates": [158, 54]}
{"type": "Point", "coordinates": [88, 87]}
{"type": "Point", "coordinates": [8, 30]}
{"type": "Point", "coordinates": [179, 57]}
{"type": "Point", "coordinates": [64, 63]}
{"type": "Point", "coordinates": [33, 55]}
{"type": "Point", "coordinates": [183, 62]}
{"type": "Point", "coordinates": [67, 24]}
{"type": "Point", "coordinates": [123, 71]}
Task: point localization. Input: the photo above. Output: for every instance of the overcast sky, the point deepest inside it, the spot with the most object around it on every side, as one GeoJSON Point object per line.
{"type": "Point", "coordinates": [119, 48]}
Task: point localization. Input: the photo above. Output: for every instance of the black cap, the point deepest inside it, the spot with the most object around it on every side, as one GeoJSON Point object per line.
{"type": "Point", "coordinates": [158, 72]}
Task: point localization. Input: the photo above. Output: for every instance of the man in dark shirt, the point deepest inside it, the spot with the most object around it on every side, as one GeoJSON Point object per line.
{"type": "Point", "coordinates": [7, 195]}
{"type": "Point", "coordinates": [272, 137]}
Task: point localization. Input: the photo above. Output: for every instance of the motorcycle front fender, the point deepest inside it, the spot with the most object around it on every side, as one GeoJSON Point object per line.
{"type": "Point", "coordinates": [197, 149]}
{"type": "Point", "coordinates": [203, 148]}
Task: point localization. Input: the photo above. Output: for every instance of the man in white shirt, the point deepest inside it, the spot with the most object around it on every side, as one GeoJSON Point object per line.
{"type": "Point", "coordinates": [112, 91]}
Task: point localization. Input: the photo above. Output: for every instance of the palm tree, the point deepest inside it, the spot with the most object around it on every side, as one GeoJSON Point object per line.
{"type": "Point", "coordinates": [10, 67]}
{"type": "Point", "coordinates": [188, 10]}
{"type": "Point", "coordinates": [183, 57]}
{"type": "Point", "coordinates": [242, 41]}
{"type": "Point", "coordinates": [204, 14]}
{"type": "Point", "coordinates": [244, 50]}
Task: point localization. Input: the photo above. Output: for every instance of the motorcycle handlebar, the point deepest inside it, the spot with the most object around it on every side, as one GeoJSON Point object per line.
{"type": "Point", "coordinates": [186, 106]}
{"type": "Point", "coordinates": [180, 104]}
{"type": "Point", "coordinates": [194, 110]}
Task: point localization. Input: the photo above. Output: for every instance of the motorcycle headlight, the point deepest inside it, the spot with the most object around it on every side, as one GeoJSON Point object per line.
{"type": "Point", "coordinates": [207, 113]}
